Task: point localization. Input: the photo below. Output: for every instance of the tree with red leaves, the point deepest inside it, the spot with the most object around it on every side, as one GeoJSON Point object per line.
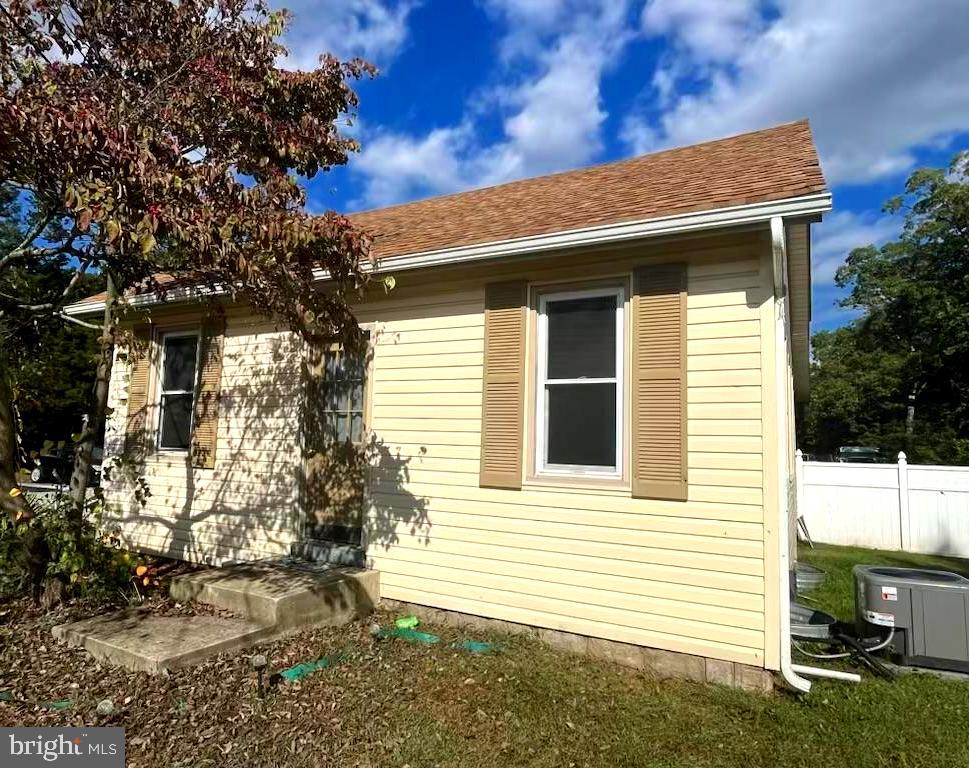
{"type": "Point", "coordinates": [162, 136]}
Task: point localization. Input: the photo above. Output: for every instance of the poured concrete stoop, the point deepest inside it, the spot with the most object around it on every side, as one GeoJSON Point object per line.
{"type": "Point", "coordinates": [142, 642]}
{"type": "Point", "coordinates": [284, 596]}
{"type": "Point", "coordinates": [271, 597]}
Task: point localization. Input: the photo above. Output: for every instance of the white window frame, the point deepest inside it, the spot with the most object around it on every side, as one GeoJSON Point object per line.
{"type": "Point", "coordinates": [162, 391]}
{"type": "Point", "coordinates": [542, 467]}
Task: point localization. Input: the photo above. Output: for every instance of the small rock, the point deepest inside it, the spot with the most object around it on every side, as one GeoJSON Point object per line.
{"type": "Point", "coordinates": [105, 707]}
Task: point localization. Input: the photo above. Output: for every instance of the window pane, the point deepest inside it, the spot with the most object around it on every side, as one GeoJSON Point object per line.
{"type": "Point", "coordinates": [356, 395]}
{"type": "Point", "coordinates": [176, 421]}
{"type": "Point", "coordinates": [356, 427]}
{"type": "Point", "coordinates": [335, 395]}
{"type": "Point", "coordinates": [180, 363]}
{"type": "Point", "coordinates": [582, 338]}
{"type": "Point", "coordinates": [582, 424]}
{"type": "Point", "coordinates": [331, 362]}
{"type": "Point", "coordinates": [329, 426]}
{"type": "Point", "coordinates": [354, 365]}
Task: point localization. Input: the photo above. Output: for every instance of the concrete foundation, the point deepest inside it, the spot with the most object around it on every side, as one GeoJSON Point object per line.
{"type": "Point", "coordinates": [664, 664]}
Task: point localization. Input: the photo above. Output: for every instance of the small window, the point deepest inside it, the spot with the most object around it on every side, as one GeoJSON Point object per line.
{"type": "Point", "coordinates": [179, 364]}
{"type": "Point", "coordinates": [343, 391]}
{"type": "Point", "coordinates": [579, 383]}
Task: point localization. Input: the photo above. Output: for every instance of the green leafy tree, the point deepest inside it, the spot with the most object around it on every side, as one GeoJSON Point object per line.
{"type": "Point", "coordinates": [899, 376]}
{"type": "Point", "coordinates": [49, 362]}
{"type": "Point", "coordinates": [155, 136]}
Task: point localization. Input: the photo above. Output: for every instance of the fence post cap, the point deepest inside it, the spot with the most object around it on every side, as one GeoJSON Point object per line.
{"type": "Point", "coordinates": [901, 455]}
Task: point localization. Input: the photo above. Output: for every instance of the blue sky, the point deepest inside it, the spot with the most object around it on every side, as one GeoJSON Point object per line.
{"type": "Point", "coordinates": [478, 92]}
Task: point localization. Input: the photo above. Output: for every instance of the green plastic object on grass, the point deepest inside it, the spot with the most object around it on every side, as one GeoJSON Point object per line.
{"type": "Point", "coordinates": [297, 672]}
{"type": "Point", "coordinates": [61, 704]}
{"type": "Point", "coordinates": [475, 646]}
{"type": "Point", "coordinates": [406, 622]}
{"type": "Point", "coordinates": [411, 635]}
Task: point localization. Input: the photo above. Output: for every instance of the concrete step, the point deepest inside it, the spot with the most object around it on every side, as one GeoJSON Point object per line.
{"type": "Point", "coordinates": [284, 594]}
{"type": "Point", "coordinates": [144, 642]}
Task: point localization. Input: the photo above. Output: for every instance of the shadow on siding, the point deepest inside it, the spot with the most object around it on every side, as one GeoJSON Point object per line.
{"type": "Point", "coordinates": [275, 469]}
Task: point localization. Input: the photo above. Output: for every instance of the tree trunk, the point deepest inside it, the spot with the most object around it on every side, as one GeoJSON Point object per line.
{"type": "Point", "coordinates": [11, 505]}
{"type": "Point", "coordinates": [94, 425]}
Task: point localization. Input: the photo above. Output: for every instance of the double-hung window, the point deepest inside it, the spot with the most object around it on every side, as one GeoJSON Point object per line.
{"type": "Point", "coordinates": [579, 391]}
{"type": "Point", "coordinates": [179, 366]}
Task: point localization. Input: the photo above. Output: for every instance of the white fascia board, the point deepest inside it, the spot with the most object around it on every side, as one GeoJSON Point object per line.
{"type": "Point", "coordinates": [616, 233]}
{"type": "Point", "coordinates": [732, 216]}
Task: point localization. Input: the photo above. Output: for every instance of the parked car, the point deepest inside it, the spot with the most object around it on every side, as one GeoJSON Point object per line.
{"type": "Point", "coordinates": [55, 466]}
{"type": "Point", "coordinates": [858, 454]}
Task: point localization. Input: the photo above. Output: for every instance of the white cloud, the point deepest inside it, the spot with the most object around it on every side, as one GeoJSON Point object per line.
{"type": "Point", "coordinates": [373, 29]}
{"type": "Point", "coordinates": [707, 31]}
{"type": "Point", "coordinates": [877, 78]}
{"type": "Point", "coordinates": [400, 167]}
{"type": "Point", "coordinates": [551, 117]}
{"type": "Point", "coordinates": [840, 232]}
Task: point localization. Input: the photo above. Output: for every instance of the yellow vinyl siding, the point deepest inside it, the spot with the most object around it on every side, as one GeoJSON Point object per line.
{"type": "Point", "coordinates": [245, 507]}
{"type": "Point", "coordinates": [685, 576]}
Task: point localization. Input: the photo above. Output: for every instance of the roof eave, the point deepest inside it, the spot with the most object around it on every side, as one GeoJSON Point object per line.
{"type": "Point", "coordinates": [697, 221]}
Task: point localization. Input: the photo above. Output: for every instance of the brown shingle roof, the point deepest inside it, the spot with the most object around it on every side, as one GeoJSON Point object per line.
{"type": "Point", "coordinates": [771, 164]}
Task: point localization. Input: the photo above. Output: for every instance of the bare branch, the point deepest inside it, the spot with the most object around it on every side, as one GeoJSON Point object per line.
{"type": "Point", "coordinates": [81, 323]}
{"type": "Point", "coordinates": [32, 234]}
{"type": "Point", "coordinates": [75, 278]}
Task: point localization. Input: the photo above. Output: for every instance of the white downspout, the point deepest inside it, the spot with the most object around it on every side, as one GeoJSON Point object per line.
{"type": "Point", "coordinates": [779, 247]}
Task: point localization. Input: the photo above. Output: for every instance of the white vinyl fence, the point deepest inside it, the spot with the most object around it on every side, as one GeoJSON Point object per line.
{"type": "Point", "coordinates": [915, 508]}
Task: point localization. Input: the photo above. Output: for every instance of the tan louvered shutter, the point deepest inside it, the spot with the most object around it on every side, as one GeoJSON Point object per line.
{"type": "Point", "coordinates": [503, 396]}
{"type": "Point", "coordinates": [139, 359]}
{"type": "Point", "coordinates": [659, 382]}
{"type": "Point", "coordinates": [205, 415]}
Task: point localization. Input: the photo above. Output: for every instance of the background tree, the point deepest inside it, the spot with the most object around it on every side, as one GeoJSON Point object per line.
{"type": "Point", "coordinates": [50, 362]}
{"type": "Point", "coordinates": [898, 377]}
{"type": "Point", "coordinates": [150, 136]}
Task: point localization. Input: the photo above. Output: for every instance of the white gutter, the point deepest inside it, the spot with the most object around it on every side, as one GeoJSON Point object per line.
{"type": "Point", "coordinates": [731, 216]}
{"type": "Point", "coordinates": [615, 233]}
{"type": "Point", "coordinates": [779, 249]}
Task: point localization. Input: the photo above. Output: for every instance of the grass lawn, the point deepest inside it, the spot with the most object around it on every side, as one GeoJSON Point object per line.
{"type": "Point", "coordinates": [836, 594]}
{"type": "Point", "coordinates": [397, 704]}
